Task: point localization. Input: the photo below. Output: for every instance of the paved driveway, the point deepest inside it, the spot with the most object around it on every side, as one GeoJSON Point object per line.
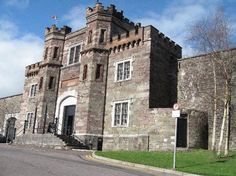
{"type": "Point", "coordinates": [22, 161]}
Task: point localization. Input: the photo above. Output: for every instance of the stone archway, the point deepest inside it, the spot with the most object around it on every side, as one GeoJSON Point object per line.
{"type": "Point", "coordinates": [66, 115]}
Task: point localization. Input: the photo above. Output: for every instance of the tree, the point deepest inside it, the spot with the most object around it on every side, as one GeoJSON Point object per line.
{"type": "Point", "coordinates": [212, 35]}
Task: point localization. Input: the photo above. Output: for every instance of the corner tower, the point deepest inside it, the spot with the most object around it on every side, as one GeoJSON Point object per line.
{"type": "Point", "coordinates": [41, 84]}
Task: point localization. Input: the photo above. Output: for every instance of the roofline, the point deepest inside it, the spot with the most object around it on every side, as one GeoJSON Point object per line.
{"type": "Point", "coordinates": [206, 54]}
{"type": "Point", "coordinates": [78, 30]}
{"type": "Point", "coordinates": [11, 96]}
{"type": "Point", "coordinates": [157, 30]}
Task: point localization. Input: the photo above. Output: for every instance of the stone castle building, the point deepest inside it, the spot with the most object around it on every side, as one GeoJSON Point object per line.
{"type": "Point", "coordinates": [111, 85]}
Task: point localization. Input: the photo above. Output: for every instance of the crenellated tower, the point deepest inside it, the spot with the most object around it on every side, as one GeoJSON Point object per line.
{"type": "Point", "coordinates": [41, 83]}
{"type": "Point", "coordinates": [102, 24]}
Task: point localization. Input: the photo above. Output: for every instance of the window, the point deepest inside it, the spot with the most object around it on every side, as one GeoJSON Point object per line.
{"type": "Point", "coordinates": [46, 53]}
{"type": "Point", "coordinates": [29, 119]}
{"type": "Point", "coordinates": [99, 72]}
{"type": "Point", "coordinates": [33, 90]}
{"type": "Point", "coordinates": [40, 83]}
{"type": "Point", "coordinates": [51, 82]}
{"type": "Point", "coordinates": [90, 35]}
{"type": "Point", "coordinates": [85, 72]}
{"type": "Point", "coordinates": [121, 114]}
{"type": "Point", "coordinates": [123, 70]}
{"type": "Point", "coordinates": [102, 35]}
{"type": "Point", "coordinates": [74, 55]}
{"type": "Point", "coordinates": [56, 52]}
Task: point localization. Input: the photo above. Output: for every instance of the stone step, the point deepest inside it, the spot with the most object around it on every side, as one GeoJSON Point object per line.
{"type": "Point", "coordinates": [43, 140]}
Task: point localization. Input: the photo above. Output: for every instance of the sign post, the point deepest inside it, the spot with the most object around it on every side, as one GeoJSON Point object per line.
{"type": "Point", "coordinates": [176, 115]}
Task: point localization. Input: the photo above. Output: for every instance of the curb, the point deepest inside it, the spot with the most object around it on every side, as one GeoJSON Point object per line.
{"type": "Point", "coordinates": [139, 166]}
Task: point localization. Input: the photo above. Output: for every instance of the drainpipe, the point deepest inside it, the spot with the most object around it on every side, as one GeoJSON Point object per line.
{"type": "Point", "coordinates": [45, 118]}
{"type": "Point", "coordinates": [105, 95]}
{"type": "Point", "coordinates": [35, 116]}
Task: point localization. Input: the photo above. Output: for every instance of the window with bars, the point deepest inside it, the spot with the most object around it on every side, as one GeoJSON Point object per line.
{"type": "Point", "coordinates": [29, 119]}
{"type": "Point", "coordinates": [33, 90]}
{"type": "Point", "coordinates": [123, 70]}
{"type": "Point", "coordinates": [74, 55]}
{"type": "Point", "coordinates": [121, 114]}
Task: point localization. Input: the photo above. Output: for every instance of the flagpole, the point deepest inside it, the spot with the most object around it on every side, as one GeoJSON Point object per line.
{"type": "Point", "coordinates": [55, 18]}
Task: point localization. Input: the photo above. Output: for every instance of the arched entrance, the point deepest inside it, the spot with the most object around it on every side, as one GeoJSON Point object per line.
{"type": "Point", "coordinates": [66, 116]}
{"type": "Point", "coordinates": [10, 129]}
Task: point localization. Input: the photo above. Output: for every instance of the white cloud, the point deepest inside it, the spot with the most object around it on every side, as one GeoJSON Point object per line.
{"type": "Point", "coordinates": [174, 21]}
{"type": "Point", "coordinates": [76, 17]}
{"type": "Point", "coordinates": [16, 52]}
{"type": "Point", "coordinates": [17, 3]}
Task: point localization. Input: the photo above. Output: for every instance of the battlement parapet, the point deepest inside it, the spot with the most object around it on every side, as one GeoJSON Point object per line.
{"type": "Point", "coordinates": [160, 37]}
{"type": "Point", "coordinates": [126, 40]}
{"type": "Point", "coordinates": [132, 34]}
{"type": "Point", "coordinates": [111, 10]}
{"type": "Point", "coordinates": [54, 29]}
{"type": "Point", "coordinates": [32, 69]}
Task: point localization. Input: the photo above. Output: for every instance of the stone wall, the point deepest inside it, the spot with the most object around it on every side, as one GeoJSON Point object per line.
{"type": "Point", "coordinates": [196, 90]}
{"type": "Point", "coordinates": [40, 140]}
{"type": "Point", "coordinates": [163, 71]}
{"type": "Point", "coordinates": [9, 107]}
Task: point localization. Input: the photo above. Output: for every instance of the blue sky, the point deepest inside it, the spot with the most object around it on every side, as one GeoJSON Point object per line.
{"type": "Point", "coordinates": [22, 24]}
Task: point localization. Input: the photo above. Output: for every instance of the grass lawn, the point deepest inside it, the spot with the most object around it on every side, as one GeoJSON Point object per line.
{"type": "Point", "coordinates": [196, 161]}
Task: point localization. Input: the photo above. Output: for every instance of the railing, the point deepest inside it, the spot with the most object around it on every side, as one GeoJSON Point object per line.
{"type": "Point", "coordinates": [65, 131]}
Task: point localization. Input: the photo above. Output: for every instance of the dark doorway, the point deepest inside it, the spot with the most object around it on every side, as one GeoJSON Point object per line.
{"type": "Point", "coordinates": [10, 129]}
{"type": "Point", "coordinates": [100, 140]}
{"type": "Point", "coordinates": [68, 124]}
{"type": "Point", "coordinates": [182, 133]}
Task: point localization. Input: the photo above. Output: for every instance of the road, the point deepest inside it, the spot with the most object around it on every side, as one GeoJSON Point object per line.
{"type": "Point", "coordinates": [26, 161]}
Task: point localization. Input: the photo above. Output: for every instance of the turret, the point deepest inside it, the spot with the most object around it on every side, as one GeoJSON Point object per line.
{"type": "Point", "coordinates": [54, 40]}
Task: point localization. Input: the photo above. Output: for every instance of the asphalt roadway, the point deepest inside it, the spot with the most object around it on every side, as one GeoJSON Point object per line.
{"type": "Point", "coordinates": [29, 161]}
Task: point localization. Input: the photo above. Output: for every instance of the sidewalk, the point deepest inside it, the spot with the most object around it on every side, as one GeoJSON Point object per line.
{"type": "Point", "coordinates": [140, 167]}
